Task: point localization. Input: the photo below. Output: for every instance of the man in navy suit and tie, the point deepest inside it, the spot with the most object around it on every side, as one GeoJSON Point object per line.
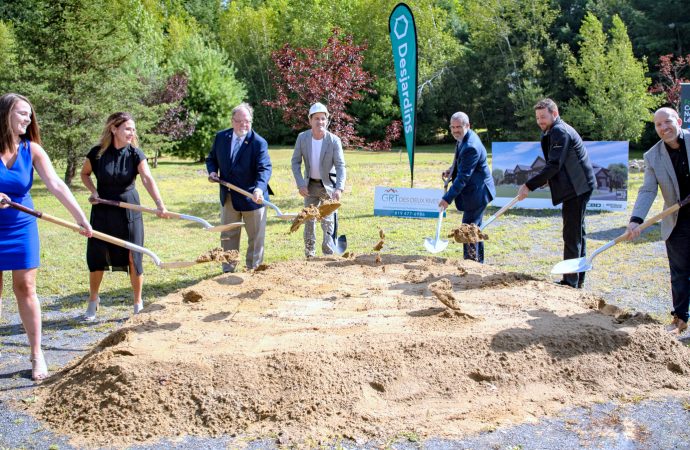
{"type": "Point", "coordinates": [473, 186]}
{"type": "Point", "coordinates": [240, 157]}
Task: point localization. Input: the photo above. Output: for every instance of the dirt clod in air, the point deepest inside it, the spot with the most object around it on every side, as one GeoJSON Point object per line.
{"type": "Point", "coordinates": [328, 207]}
{"type": "Point", "coordinates": [360, 353]}
{"type": "Point", "coordinates": [378, 258]}
{"type": "Point", "coordinates": [443, 290]}
{"type": "Point", "coordinates": [219, 255]}
{"type": "Point", "coordinates": [312, 212]}
{"type": "Point", "coordinates": [468, 234]}
{"type": "Point", "coordinates": [191, 296]}
{"type": "Point", "coordinates": [382, 237]}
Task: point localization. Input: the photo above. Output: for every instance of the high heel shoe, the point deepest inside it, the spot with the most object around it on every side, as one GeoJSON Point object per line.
{"type": "Point", "coordinates": [90, 314]}
{"type": "Point", "coordinates": [39, 369]}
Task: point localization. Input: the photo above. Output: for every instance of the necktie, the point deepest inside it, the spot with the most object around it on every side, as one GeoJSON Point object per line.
{"type": "Point", "coordinates": [235, 147]}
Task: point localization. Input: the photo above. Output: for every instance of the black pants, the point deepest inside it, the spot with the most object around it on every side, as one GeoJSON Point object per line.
{"type": "Point", "coordinates": [678, 251]}
{"type": "Point", "coordinates": [574, 235]}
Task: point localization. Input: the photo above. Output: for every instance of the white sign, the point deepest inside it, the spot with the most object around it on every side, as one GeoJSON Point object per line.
{"type": "Point", "coordinates": [407, 202]}
{"type": "Point", "coordinates": [515, 162]}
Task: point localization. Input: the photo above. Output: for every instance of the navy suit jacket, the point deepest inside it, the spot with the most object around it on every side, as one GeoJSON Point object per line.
{"type": "Point", "coordinates": [251, 168]}
{"type": "Point", "coordinates": [473, 186]}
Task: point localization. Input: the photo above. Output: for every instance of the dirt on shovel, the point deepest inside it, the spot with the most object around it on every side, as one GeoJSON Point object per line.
{"type": "Point", "coordinates": [326, 208]}
{"type": "Point", "coordinates": [468, 234]}
{"type": "Point", "coordinates": [219, 255]}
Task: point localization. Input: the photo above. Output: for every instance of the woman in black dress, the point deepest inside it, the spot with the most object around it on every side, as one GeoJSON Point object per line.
{"type": "Point", "coordinates": [116, 161]}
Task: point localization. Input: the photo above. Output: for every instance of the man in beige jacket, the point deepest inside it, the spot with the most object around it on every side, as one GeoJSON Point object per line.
{"type": "Point", "coordinates": [667, 168]}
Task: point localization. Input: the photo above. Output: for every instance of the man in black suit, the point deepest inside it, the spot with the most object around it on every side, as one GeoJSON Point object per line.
{"type": "Point", "coordinates": [570, 177]}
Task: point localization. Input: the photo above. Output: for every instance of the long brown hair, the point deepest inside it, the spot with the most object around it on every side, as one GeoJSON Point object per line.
{"type": "Point", "coordinates": [32, 133]}
{"type": "Point", "coordinates": [114, 120]}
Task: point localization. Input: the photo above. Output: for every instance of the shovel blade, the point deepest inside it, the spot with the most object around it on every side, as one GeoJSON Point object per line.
{"type": "Point", "coordinates": [226, 227]}
{"type": "Point", "coordinates": [575, 265]}
{"type": "Point", "coordinates": [435, 246]}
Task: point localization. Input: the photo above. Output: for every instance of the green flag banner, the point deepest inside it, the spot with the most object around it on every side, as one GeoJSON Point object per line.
{"type": "Point", "coordinates": [685, 104]}
{"type": "Point", "coordinates": [404, 42]}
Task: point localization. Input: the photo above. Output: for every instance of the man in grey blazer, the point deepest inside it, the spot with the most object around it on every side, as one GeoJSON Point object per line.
{"type": "Point", "coordinates": [667, 168]}
{"type": "Point", "coordinates": [324, 174]}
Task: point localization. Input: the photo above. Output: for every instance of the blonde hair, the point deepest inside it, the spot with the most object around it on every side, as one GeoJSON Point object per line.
{"type": "Point", "coordinates": [33, 133]}
{"type": "Point", "coordinates": [114, 120]}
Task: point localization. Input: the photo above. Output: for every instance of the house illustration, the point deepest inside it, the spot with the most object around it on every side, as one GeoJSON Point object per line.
{"type": "Point", "coordinates": [521, 173]}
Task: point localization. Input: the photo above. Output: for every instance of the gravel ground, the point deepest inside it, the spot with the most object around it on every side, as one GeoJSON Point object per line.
{"type": "Point", "coordinates": [634, 276]}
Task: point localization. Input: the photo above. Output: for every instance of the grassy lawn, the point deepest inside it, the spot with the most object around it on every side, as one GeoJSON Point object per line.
{"type": "Point", "coordinates": [525, 240]}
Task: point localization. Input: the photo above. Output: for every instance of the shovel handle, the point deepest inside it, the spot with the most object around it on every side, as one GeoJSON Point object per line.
{"type": "Point", "coordinates": [233, 187]}
{"type": "Point", "coordinates": [77, 228]}
{"type": "Point", "coordinates": [134, 207]}
{"type": "Point", "coordinates": [654, 219]}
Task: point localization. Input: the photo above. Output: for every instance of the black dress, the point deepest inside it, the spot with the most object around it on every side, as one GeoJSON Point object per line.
{"type": "Point", "coordinates": [115, 171]}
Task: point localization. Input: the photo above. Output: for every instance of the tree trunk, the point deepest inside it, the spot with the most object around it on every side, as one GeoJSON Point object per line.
{"type": "Point", "coordinates": [71, 169]}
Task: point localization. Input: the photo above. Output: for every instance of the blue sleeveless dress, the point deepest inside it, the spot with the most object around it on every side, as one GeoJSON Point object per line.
{"type": "Point", "coordinates": [19, 245]}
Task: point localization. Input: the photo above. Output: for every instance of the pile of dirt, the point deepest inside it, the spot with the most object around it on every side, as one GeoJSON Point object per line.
{"type": "Point", "coordinates": [326, 207]}
{"type": "Point", "coordinates": [468, 233]}
{"type": "Point", "coordinates": [219, 255]}
{"type": "Point", "coordinates": [359, 353]}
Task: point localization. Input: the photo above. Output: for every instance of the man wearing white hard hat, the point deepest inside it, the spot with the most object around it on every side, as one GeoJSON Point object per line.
{"type": "Point", "coordinates": [324, 174]}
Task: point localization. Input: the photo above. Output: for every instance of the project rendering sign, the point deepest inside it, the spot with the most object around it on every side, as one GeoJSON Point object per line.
{"type": "Point", "coordinates": [685, 104]}
{"type": "Point", "coordinates": [403, 36]}
{"type": "Point", "coordinates": [407, 202]}
{"type": "Point", "coordinates": [513, 163]}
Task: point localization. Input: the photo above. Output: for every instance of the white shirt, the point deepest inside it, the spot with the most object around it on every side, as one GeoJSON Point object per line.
{"type": "Point", "coordinates": [315, 159]}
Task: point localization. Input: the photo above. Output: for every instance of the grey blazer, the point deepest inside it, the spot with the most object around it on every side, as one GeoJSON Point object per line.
{"type": "Point", "coordinates": [332, 157]}
{"type": "Point", "coordinates": [659, 173]}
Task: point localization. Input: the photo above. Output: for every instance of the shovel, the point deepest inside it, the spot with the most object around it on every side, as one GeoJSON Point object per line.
{"type": "Point", "coordinates": [207, 226]}
{"type": "Point", "coordinates": [339, 243]}
{"type": "Point", "coordinates": [437, 244]}
{"type": "Point", "coordinates": [584, 264]}
{"type": "Point", "coordinates": [101, 236]}
{"type": "Point", "coordinates": [499, 213]}
{"type": "Point", "coordinates": [247, 194]}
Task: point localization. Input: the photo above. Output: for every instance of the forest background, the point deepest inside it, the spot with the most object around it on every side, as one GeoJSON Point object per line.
{"type": "Point", "coordinates": [181, 65]}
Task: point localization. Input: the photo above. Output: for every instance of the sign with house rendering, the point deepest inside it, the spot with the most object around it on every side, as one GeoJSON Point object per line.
{"type": "Point", "coordinates": [513, 163]}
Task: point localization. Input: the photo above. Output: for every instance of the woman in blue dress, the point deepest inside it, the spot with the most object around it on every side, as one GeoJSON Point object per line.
{"type": "Point", "coordinates": [21, 152]}
{"type": "Point", "coordinates": [116, 161]}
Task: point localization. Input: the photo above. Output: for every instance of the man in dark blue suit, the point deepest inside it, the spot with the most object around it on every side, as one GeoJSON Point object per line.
{"type": "Point", "coordinates": [240, 157]}
{"type": "Point", "coordinates": [473, 186]}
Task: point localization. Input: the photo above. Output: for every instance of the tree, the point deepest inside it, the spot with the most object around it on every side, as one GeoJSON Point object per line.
{"type": "Point", "coordinates": [213, 92]}
{"type": "Point", "coordinates": [77, 67]}
{"type": "Point", "coordinates": [175, 121]}
{"type": "Point", "coordinates": [670, 77]}
{"type": "Point", "coordinates": [332, 75]}
{"type": "Point", "coordinates": [616, 103]}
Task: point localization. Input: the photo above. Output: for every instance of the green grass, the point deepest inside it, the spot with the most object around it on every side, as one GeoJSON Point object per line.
{"type": "Point", "coordinates": [521, 240]}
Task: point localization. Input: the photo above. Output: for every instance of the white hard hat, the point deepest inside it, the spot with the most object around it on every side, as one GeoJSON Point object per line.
{"type": "Point", "coordinates": [317, 108]}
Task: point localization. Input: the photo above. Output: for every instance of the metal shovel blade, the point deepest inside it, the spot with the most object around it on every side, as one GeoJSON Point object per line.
{"type": "Point", "coordinates": [575, 265]}
{"type": "Point", "coordinates": [437, 244]}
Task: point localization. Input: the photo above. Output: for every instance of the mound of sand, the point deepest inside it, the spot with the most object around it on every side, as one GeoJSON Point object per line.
{"type": "Point", "coordinates": [340, 347]}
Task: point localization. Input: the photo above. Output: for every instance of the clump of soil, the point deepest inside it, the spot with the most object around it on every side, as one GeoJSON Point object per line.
{"type": "Point", "coordinates": [219, 255]}
{"type": "Point", "coordinates": [312, 212]}
{"type": "Point", "coordinates": [382, 237]}
{"type": "Point", "coordinates": [468, 234]}
{"type": "Point", "coordinates": [328, 207]}
{"type": "Point", "coordinates": [358, 352]}
{"type": "Point", "coordinates": [191, 296]}
{"type": "Point", "coordinates": [443, 290]}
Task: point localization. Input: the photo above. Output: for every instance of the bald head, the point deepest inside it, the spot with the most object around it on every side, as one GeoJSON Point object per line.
{"type": "Point", "coordinates": [667, 124]}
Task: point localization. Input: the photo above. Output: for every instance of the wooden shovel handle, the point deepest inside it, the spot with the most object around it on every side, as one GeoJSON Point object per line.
{"type": "Point", "coordinates": [654, 219]}
{"type": "Point", "coordinates": [70, 225]}
{"type": "Point", "coordinates": [232, 186]}
{"type": "Point", "coordinates": [134, 207]}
